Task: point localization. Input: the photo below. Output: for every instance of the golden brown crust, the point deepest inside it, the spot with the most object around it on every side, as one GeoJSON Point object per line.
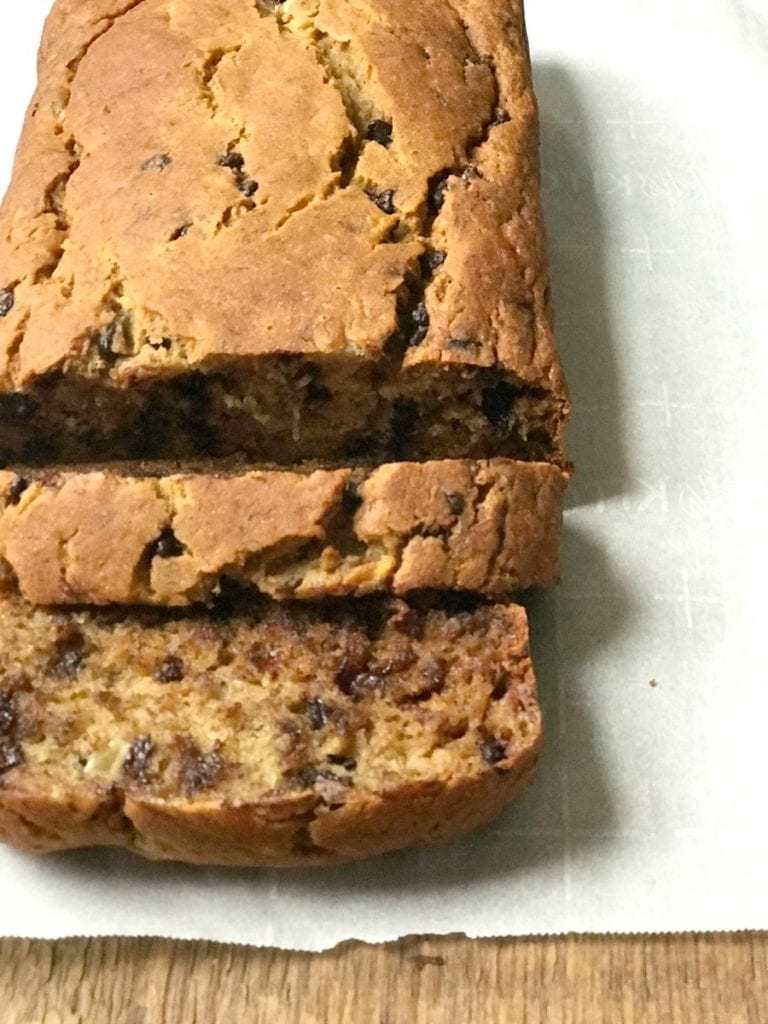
{"type": "Point", "coordinates": [123, 210]}
{"type": "Point", "coordinates": [427, 765]}
{"type": "Point", "coordinates": [250, 836]}
{"type": "Point", "coordinates": [97, 537]}
{"type": "Point", "coordinates": [34, 818]}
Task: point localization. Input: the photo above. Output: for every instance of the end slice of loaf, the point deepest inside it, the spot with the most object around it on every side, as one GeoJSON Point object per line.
{"type": "Point", "coordinates": [149, 535]}
{"type": "Point", "coordinates": [263, 734]}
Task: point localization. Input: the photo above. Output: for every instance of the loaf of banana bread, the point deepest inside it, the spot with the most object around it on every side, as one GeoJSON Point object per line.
{"type": "Point", "coordinates": [261, 733]}
{"type": "Point", "coordinates": [296, 230]}
{"type": "Point", "coordinates": [274, 325]}
{"type": "Point", "coordinates": [147, 535]}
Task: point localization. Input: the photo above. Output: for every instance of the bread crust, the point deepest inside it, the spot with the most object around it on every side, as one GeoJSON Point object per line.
{"type": "Point", "coordinates": [258, 836]}
{"type": "Point", "coordinates": [96, 537]}
{"type": "Point", "coordinates": [453, 79]}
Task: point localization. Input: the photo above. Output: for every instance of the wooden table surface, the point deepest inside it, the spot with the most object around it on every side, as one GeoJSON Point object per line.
{"type": "Point", "coordinates": [701, 979]}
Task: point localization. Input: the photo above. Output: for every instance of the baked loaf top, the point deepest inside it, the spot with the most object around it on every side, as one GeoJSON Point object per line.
{"type": "Point", "coordinates": [103, 537]}
{"type": "Point", "coordinates": [201, 182]}
{"type": "Point", "coordinates": [274, 734]}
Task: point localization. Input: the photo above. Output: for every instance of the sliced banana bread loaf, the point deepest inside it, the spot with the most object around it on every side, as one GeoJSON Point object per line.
{"type": "Point", "coordinates": [305, 229]}
{"type": "Point", "coordinates": [261, 733]}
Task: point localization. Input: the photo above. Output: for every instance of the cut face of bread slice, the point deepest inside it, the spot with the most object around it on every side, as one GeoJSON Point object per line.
{"type": "Point", "coordinates": [304, 230]}
{"type": "Point", "coordinates": [149, 535]}
{"type": "Point", "coordinates": [261, 733]}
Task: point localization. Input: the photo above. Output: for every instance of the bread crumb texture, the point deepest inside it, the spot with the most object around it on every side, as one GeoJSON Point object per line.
{"type": "Point", "coordinates": [260, 733]}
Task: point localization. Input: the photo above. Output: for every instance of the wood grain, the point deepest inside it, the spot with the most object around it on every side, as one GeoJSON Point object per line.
{"type": "Point", "coordinates": [701, 979]}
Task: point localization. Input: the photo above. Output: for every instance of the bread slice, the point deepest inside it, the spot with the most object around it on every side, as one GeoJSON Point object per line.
{"type": "Point", "coordinates": [148, 535]}
{"type": "Point", "coordinates": [264, 734]}
{"type": "Point", "coordinates": [298, 230]}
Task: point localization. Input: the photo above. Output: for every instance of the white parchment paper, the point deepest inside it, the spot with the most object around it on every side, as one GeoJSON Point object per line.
{"type": "Point", "coordinates": [650, 810]}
